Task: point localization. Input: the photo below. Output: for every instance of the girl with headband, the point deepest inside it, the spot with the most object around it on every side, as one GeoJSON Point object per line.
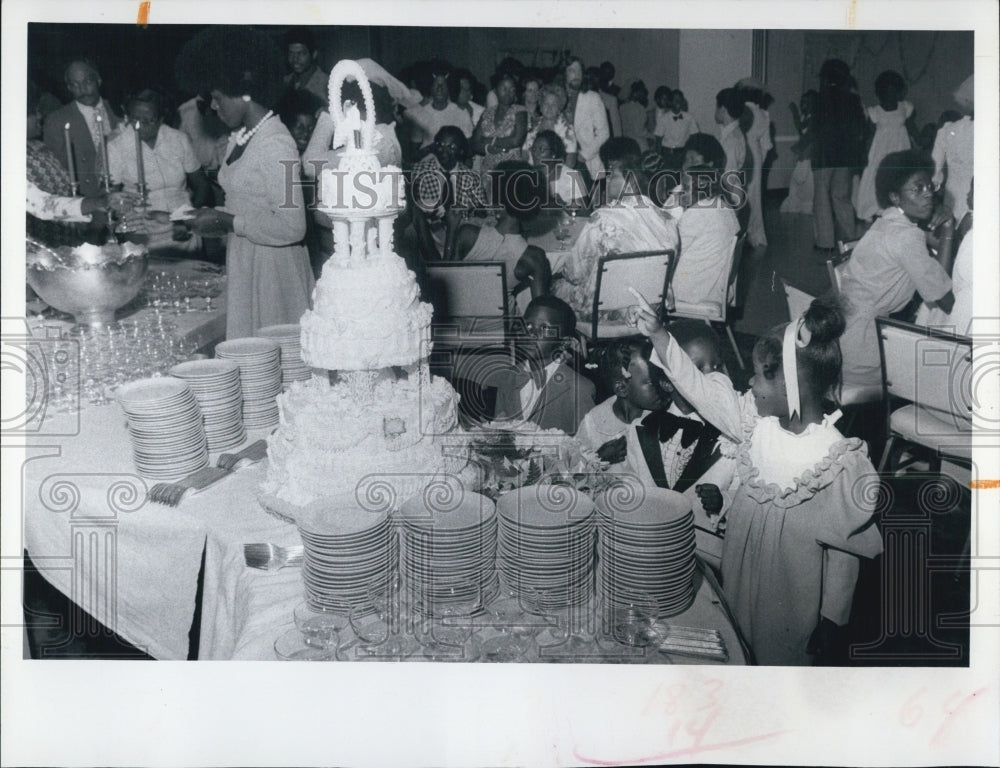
{"type": "Point", "coordinates": [803, 512]}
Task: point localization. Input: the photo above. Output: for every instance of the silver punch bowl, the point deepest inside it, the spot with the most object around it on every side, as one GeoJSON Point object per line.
{"type": "Point", "coordinates": [89, 282]}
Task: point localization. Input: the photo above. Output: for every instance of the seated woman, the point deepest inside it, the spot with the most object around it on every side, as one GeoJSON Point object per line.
{"type": "Point", "coordinates": [527, 265]}
{"type": "Point", "coordinates": [627, 220]}
{"type": "Point", "coordinates": [565, 185]}
{"type": "Point", "coordinates": [172, 173]}
{"type": "Point", "coordinates": [551, 102]}
{"type": "Point", "coordinates": [892, 261]}
{"type": "Point", "coordinates": [706, 227]}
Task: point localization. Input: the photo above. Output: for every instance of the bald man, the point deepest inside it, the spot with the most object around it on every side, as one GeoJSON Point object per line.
{"type": "Point", "coordinates": [83, 82]}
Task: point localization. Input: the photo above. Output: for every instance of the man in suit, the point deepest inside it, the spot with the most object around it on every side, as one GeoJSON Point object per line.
{"type": "Point", "coordinates": [84, 83]}
{"type": "Point", "coordinates": [586, 112]}
{"type": "Point", "coordinates": [544, 389]}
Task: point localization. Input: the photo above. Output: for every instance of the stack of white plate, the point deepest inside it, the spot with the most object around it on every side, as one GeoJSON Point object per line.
{"type": "Point", "coordinates": [289, 338]}
{"type": "Point", "coordinates": [347, 551]}
{"type": "Point", "coordinates": [448, 548]}
{"type": "Point", "coordinates": [165, 428]}
{"type": "Point", "coordinates": [216, 387]}
{"type": "Point", "coordinates": [260, 378]}
{"type": "Point", "coordinates": [545, 547]}
{"type": "Point", "coordinates": [646, 546]}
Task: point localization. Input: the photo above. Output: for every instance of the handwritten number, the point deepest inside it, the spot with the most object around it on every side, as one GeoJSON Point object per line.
{"type": "Point", "coordinates": [912, 712]}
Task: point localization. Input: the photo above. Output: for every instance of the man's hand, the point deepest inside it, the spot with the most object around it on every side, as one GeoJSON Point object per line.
{"type": "Point", "coordinates": [613, 451]}
{"type": "Point", "coordinates": [711, 498]}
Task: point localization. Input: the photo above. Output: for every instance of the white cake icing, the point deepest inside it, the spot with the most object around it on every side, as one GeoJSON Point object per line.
{"type": "Point", "coordinates": [366, 316]}
{"type": "Point", "coordinates": [329, 444]}
{"type": "Point", "coordinates": [371, 427]}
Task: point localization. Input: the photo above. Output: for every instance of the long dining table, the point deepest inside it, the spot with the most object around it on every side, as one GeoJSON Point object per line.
{"type": "Point", "coordinates": [134, 564]}
{"type": "Point", "coordinates": [146, 570]}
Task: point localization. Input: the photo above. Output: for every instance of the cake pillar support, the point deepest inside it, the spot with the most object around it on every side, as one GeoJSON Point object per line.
{"type": "Point", "coordinates": [385, 235]}
{"type": "Point", "coordinates": [357, 239]}
{"type": "Point", "coordinates": [341, 244]}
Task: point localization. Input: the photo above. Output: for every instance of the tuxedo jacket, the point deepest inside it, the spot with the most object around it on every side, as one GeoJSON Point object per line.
{"type": "Point", "coordinates": [563, 402]}
{"type": "Point", "coordinates": [84, 152]}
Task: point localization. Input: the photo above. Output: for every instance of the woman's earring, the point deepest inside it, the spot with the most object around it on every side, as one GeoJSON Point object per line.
{"type": "Point", "coordinates": [246, 97]}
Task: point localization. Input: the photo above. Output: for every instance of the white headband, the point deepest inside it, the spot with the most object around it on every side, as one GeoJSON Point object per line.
{"type": "Point", "coordinates": [796, 336]}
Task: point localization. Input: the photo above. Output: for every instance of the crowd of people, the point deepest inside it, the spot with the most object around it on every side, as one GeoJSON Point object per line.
{"type": "Point", "coordinates": [768, 474]}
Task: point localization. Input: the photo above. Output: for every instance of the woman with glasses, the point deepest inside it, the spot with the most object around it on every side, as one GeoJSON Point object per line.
{"type": "Point", "coordinates": [900, 254]}
{"type": "Point", "coordinates": [171, 171]}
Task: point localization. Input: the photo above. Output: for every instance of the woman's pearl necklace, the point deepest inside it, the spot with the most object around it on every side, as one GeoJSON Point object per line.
{"type": "Point", "coordinates": [243, 135]}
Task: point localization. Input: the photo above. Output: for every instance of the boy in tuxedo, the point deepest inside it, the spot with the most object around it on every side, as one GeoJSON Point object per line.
{"type": "Point", "coordinates": [543, 388]}
{"type": "Point", "coordinates": [675, 448]}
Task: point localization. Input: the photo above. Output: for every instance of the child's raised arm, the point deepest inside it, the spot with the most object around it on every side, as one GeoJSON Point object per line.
{"type": "Point", "coordinates": [712, 395]}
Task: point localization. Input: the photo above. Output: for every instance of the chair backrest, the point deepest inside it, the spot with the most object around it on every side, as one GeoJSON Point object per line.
{"type": "Point", "coordinates": [734, 268]}
{"type": "Point", "coordinates": [927, 367]}
{"type": "Point", "coordinates": [798, 300]}
{"type": "Point", "coordinates": [468, 288]}
{"type": "Point", "coordinates": [645, 271]}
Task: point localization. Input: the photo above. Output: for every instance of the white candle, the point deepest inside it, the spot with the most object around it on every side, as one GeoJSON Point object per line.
{"type": "Point", "coordinates": [139, 167]}
{"type": "Point", "coordinates": [70, 165]}
{"type": "Point", "coordinates": [106, 173]}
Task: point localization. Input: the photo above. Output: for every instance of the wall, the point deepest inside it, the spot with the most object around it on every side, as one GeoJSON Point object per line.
{"type": "Point", "coordinates": [710, 60]}
{"type": "Point", "coordinates": [784, 77]}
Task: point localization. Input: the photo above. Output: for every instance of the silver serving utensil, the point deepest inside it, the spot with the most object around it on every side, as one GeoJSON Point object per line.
{"type": "Point", "coordinates": [171, 494]}
{"type": "Point", "coordinates": [271, 557]}
{"type": "Point", "coordinates": [256, 451]}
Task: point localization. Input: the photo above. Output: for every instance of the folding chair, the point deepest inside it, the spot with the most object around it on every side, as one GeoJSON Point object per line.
{"type": "Point", "coordinates": [929, 372]}
{"type": "Point", "coordinates": [850, 395]}
{"type": "Point", "coordinates": [469, 298]}
{"type": "Point", "coordinates": [835, 265]}
{"type": "Point", "coordinates": [713, 311]}
{"type": "Point", "coordinates": [616, 273]}
{"type": "Point", "coordinates": [470, 328]}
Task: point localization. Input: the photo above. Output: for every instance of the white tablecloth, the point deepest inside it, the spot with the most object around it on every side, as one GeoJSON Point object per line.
{"type": "Point", "coordinates": [130, 563]}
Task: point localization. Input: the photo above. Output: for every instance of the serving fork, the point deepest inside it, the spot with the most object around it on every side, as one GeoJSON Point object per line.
{"type": "Point", "coordinates": [172, 493]}
{"type": "Point", "coordinates": [256, 451]}
{"type": "Point", "coordinates": [271, 557]}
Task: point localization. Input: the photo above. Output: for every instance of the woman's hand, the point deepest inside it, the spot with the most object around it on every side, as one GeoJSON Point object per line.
{"type": "Point", "coordinates": [158, 217]}
{"type": "Point", "coordinates": [711, 498]}
{"type": "Point", "coordinates": [942, 215]}
{"type": "Point", "coordinates": [613, 451]}
{"type": "Point", "coordinates": [211, 221]}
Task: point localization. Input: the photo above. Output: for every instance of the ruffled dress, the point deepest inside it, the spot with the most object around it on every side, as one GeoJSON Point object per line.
{"type": "Point", "coordinates": [792, 547]}
{"type": "Point", "coordinates": [797, 522]}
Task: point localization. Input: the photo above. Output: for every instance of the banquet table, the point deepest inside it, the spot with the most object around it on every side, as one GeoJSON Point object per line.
{"type": "Point", "coordinates": [200, 328]}
{"type": "Point", "coordinates": [134, 564]}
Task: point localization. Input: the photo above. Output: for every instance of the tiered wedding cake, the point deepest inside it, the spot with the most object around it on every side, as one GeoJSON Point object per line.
{"type": "Point", "coordinates": [379, 420]}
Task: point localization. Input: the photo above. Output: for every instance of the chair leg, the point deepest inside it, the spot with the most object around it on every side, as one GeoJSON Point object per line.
{"type": "Point", "coordinates": [736, 349]}
{"type": "Point", "coordinates": [886, 454]}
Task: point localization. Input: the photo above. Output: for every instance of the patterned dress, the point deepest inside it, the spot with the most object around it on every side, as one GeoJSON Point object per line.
{"type": "Point", "coordinates": [491, 129]}
{"type": "Point", "coordinates": [46, 172]}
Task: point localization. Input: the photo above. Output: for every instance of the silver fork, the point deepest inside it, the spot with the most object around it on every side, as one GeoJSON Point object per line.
{"type": "Point", "coordinates": [271, 557]}
{"type": "Point", "coordinates": [172, 493]}
{"type": "Point", "coordinates": [254, 452]}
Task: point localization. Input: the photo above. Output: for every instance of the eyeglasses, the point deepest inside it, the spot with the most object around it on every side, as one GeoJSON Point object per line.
{"type": "Point", "coordinates": [919, 189]}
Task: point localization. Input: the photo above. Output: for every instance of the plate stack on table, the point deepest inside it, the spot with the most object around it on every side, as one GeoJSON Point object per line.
{"type": "Point", "coordinates": [646, 546]}
{"type": "Point", "coordinates": [545, 548]}
{"type": "Point", "coordinates": [216, 387]}
{"type": "Point", "coordinates": [289, 338]}
{"type": "Point", "coordinates": [260, 377]}
{"type": "Point", "coordinates": [165, 428]}
{"type": "Point", "coordinates": [448, 548]}
{"type": "Point", "coordinates": [346, 549]}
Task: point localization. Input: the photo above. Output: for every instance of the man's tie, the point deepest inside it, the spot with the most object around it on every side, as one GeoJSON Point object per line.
{"type": "Point", "coordinates": [665, 426]}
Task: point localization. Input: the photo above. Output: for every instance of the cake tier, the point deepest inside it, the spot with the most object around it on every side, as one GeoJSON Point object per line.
{"type": "Point", "coordinates": [360, 189]}
{"type": "Point", "coordinates": [366, 316]}
{"type": "Point", "coordinates": [327, 444]}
